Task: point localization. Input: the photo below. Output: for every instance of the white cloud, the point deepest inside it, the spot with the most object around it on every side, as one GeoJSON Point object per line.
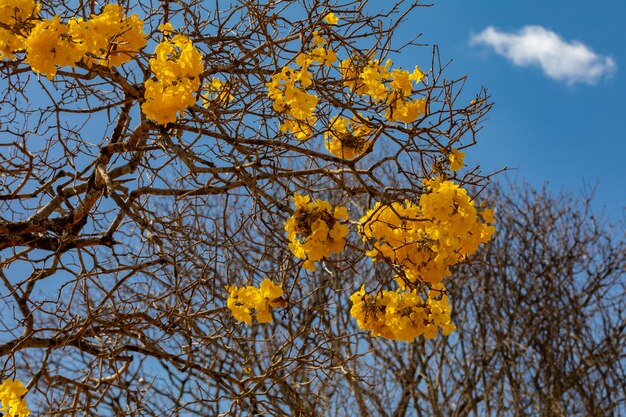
{"type": "Point", "coordinates": [570, 62]}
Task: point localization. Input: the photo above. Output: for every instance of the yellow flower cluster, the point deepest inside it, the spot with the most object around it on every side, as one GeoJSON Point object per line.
{"type": "Point", "coordinates": [315, 230]}
{"type": "Point", "coordinates": [294, 101]}
{"type": "Point", "coordinates": [288, 90]}
{"type": "Point", "coordinates": [110, 38]}
{"type": "Point", "coordinates": [347, 138]}
{"type": "Point", "coordinates": [50, 44]}
{"type": "Point", "coordinates": [425, 240]}
{"type": "Point", "coordinates": [422, 241]}
{"type": "Point", "coordinates": [456, 159]}
{"type": "Point", "coordinates": [243, 300]}
{"type": "Point", "coordinates": [331, 19]}
{"type": "Point", "coordinates": [11, 393]}
{"type": "Point", "coordinates": [402, 315]}
{"type": "Point", "coordinates": [177, 66]}
{"type": "Point", "coordinates": [395, 87]}
{"type": "Point", "coordinates": [15, 16]}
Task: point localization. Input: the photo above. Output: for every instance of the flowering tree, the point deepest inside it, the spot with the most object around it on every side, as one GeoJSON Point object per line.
{"type": "Point", "coordinates": [186, 184]}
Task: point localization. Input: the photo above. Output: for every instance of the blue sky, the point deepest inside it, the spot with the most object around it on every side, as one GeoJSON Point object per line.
{"type": "Point", "coordinates": [545, 126]}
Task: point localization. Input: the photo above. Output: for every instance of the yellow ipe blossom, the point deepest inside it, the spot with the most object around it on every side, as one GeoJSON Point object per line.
{"type": "Point", "coordinates": [15, 14]}
{"type": "Point", "coordinates": [177, 66]}
{"type": "Point", "coordinates": [50, 44]}
{"type": "Point", "coordinates": [293, 100]}
{"type": "Point", "coordinates": [166, 28]}
{"type": "Point", "coordinates": [402, 81]}
{"type": "Point", "coordinates": [315, 230]}
{"type": "Point", "coordinates": [11, 396]}
{"type": "Point", "coordinates": [288, 89]}
{"type": "Point", "coordinates": [110, 38]}
{"type": "Point", "coordinates": [323, 56]}
{"type": "Point", "coordinates": [401, 107]}
{"type": "Point", "coordinates": [405, 110]}
{"type": "Point", "coordinates": [290, 98]}
{"type": "Point", "coordinates": [175, 59]}
{"type": "Point", "coordinates": [374, 77]}
{"type": "Point", "coordinates": [380, 83]}
{"type": "Point", "coordinates": [424, 240]}
{"type": "Point", "coordinates": [366, 77]}
{"type": "Point", "coordinates": [331, 19]}
{"type": "Point", "coordinates": [165, 100]}
{"type": "Point", "coordinates": [456, 159]}
{"type": "Point", "coordinates": [243, 300]}
{"type": "Point", "coordinates": [402, 315]}
{"type": "Point", "coordinates": [347, 138]}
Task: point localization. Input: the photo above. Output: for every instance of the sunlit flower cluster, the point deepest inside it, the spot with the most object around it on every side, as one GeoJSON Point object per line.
{"type": "Point", "coordinates": [320, 54]}
{"type": "Point", "coordinates": [381, 84]}
{"type": "Point", "coordinates": [16, 15]}
{"type": "Point", "coordinates": [402, 315]}
{"type": "Point", "coordinates": [110, 38]}
{"type": "Point", "coordinates": [11, 396]}
{"type": "Point", "coordinates": [347, 138]}
{"type": "Point", "coordinates": [456, 159]}
{"type": "Point", "coordinates": [424, 240]}
{"type": "Point", "coordinates": [244, 300]}
{"type": "Point", "coordinates": [177, 66]}
{"type": "Point", "coordinates": [289, 89]}
{"type": "Point", "coordinates": [331, 19]}
{"type": "Point", "coordinates": [366, 77]}
{"type": "Point", "coordinates": [50, 44]}
{"type": "Point", "coordinates": [315, 230]}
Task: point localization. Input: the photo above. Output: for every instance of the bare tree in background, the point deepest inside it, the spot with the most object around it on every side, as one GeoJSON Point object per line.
{"type": "Point", "coordinates": [119, 235]}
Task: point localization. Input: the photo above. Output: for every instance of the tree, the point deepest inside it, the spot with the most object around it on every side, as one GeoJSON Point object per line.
{"type": "Point", "coordinates": [149, 156]}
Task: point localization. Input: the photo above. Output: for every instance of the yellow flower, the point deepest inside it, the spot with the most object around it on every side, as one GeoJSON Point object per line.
{"type": "Point", "coordinates": [270, 290]}
{"type": "Point", "coordinates": [50, 44]}
{"type": "Point", "coordinates": [347, 138]}
{"type": "Point", "coordinates": [331, 19]}
{"type": "Point", "coordinates": [324, 56]}
{"type": "Point", "coordinates": [406, 111]}
{"type": "Point", "coordinates": [11, 393]}
{"type": "Point", "coordinates": [456, 159]}
{"type": "Point", "coordinates": [424, 240]}
{"type": "Point", "coordinates": [177, 65]}
{"type": "Point", "coordinates": [217, 92]}
{"type": "Point", "coordinates": [417, 75]}
{"type": "Point", "coordinates": [487, 215]}
{"type": "Point", "coordinates": [243, 300]}
{"type": "Point", "coordinates": [402, 315]}
{"type": "Point", "coordinates": [110, 38]}
{"type": "Point", "coordinates": [315, 230]}
{"type": "Point", "coordinates": [175, 59]}
{"type": "Point", "coordinates": [166, 28]}
{"type": "Point", "coordinates": [293, 100]}
{"type": "Point", "coordinates": [317, 40]}
{"type": "Point", "coordinates": [302, 130]}
{"type": "Point", "coordinates": [163, 101]}
{"type": "Point", "coordinates": [13, 15]}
